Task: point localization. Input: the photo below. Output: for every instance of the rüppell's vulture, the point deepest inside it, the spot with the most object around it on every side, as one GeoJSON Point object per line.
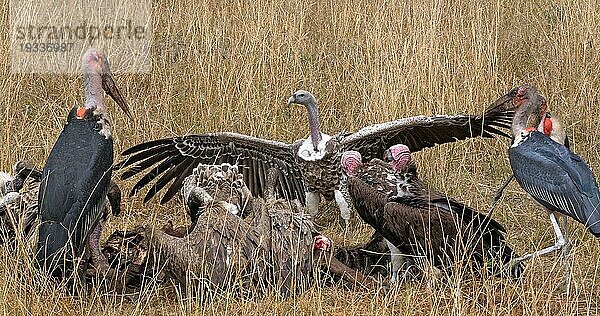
{"type": "Point", "coordinates": [309, 167]}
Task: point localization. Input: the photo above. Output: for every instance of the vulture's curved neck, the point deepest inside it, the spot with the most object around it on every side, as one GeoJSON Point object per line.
{"type": "Point", "coordinates": [313, 123]}
{"type": "Point", "coordinates": [94, 94]}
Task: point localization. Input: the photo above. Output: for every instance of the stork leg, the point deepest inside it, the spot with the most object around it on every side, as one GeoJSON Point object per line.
{"type": "Point", "coordinates": [397, 261]}
{"type": "Point", "coordinates": [345, 209]}
{"type": "Point", "coordinates": [566, 252]}
{"type": "Point", "coordinates": [93, 242]}
{"type": "Point", "coordinates": [501, 190]}
{"type": "Point", "coordinates": [560, 242]}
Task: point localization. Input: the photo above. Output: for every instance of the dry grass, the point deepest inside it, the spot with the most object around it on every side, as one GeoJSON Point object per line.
{"type": "Point", "coordinates": [230, 66]}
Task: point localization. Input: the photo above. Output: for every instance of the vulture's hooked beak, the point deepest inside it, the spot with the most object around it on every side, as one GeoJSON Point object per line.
{"type": "Point", "coordinates": [387, 156]}
{"type": "Point", "coordinates": [108, 84]}
{"type": "Point", "coordinates": [291, 100]}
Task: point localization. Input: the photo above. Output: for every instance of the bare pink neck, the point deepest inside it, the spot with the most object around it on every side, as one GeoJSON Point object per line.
{"type": "Point", "coordinates": [94, 94]}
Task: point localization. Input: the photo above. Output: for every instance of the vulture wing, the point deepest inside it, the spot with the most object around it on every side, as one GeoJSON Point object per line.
{"type": "Point", "coordinates": [557, 178]}
{"type": "Point", "coordinates": [420, 132]}
{"type": "Point", "coordinates": [175, 158]}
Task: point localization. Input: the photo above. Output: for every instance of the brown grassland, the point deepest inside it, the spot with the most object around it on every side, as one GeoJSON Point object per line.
{"type": "Point", "coordinates": [231, 65]}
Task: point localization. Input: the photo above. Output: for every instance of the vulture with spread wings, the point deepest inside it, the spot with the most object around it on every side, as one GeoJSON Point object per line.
{"type": "Point", "coordinates": [309, 167]}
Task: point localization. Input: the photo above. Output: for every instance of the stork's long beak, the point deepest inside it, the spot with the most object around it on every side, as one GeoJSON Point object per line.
{"type": "Point", "coordinates": [108, 84]}
{"type": "Point", "coordinates": [503, 104]}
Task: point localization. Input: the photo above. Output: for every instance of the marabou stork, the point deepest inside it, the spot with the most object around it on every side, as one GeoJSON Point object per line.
{"type": "Point", "coordinates": [417, 221]}
{"type": "Point", "coordinates": [76, 177]}
{"type": "Point", "coordinates": [550, 125]}
{"type": "Point", "coordinates": [310, 167]}
{"type": "Point", "coordinates": [19, 205]}
{"type": "Point", "coordinates": [548, 171]}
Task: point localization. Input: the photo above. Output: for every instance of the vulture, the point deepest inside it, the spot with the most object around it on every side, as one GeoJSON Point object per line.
{"type": "Point", "coordinates": [419, 222]}
{"type": "Point", "coordinates": [76, 176]}
{"type": "Point", "coordinates": [309, 167]}
{"type": "Point", "coordinates": [278, 250]}
{"type": "Point", "coordinates": [18, 202]}
{"type": "Point", "coordinates": [549, 171]}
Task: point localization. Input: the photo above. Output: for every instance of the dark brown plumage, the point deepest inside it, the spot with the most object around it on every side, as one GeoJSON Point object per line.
{"type": "Point", "coordinates": [223, 252]}
{"type": "Point", "coordinates": [422, 222]}
{"type": "Point", "coordinates": [18, 208]}
{"type": "Point", "coordinates": [371, 258]}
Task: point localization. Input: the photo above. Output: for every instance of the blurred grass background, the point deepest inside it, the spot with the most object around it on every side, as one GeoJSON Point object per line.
{"type": "Point", "coordinates": [231, 65]}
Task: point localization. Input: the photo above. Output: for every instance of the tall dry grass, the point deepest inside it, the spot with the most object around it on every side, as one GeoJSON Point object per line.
{"type": "Point", "coordinates": [231, 65]}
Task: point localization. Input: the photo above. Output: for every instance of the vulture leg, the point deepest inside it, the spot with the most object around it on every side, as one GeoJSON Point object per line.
{"type": "Point", "coordinates": [312, 203]}
{"type": "Point", "coordinates": [397, 261]}
{"type": "Point", "coordinates": [560, 242]}
{"type": "Point", "coordinates": [501, 190]}
{"type": "Point", "coordinates": [345, 209]}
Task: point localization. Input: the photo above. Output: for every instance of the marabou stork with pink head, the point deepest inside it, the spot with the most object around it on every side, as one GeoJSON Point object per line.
{"type": "Point", "coordinates": [76, 176]}
{"type": "Point", "coordinates": [547, 170]}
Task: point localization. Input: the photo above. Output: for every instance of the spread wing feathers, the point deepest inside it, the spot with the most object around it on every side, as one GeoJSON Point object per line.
{"type": "Point", "coordinates": [176, 157]}
{"type": "Point", "coordinates": [420, 132]}
{"type": "Point", "coordinates": [557, 178]}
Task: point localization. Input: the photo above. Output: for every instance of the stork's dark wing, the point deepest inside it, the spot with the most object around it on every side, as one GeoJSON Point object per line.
{"type": "Point", "coordinates": [420, 132]}
{"type": "Point", "coordinates": [557, 178]}
{"type": "Point", "coordinates": [72, 191]}
{"type": "Point", "coordinates": [175, 158]}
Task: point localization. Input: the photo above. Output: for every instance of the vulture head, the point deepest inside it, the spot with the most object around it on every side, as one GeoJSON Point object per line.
{"type": "Point", "coordinates": [23, 170]}
{"type": "Point", "coordinates": [308, 100]}
{"type": "Point", "coordinates": [303, 97]}
{"type": "Point", "coordinates": [96, 71]}
{"type": "Point", "coordinates": [399, 156]}
{"type": "Point", "coordinates": [322, 242]}
{"type": "Point", "coordinates": [350, 161]}
{"type": "Point", "coordinates": [216, 183]}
